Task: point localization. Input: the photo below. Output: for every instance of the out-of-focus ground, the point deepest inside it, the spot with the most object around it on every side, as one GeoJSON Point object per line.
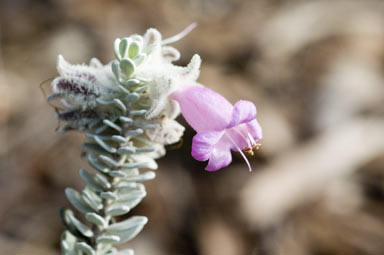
{"type": "Point", "coordinates": [315, 70]}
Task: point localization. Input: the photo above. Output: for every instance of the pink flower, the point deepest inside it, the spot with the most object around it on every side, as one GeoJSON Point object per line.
{"type": "Point", "coordinates": [220, 126]}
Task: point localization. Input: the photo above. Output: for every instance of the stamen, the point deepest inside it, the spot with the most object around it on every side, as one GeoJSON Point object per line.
{"type": "Point", "coordinates": [248, 150]}
{"type": "Point", "coordinates": [256, 146]}
{"type": "Point", "coordinates": [241, 152]}
{"type": "Point", "coordinates": [245, 138]}
{"type": "Point", "coordinates": [253, 142]}
{"type": "Point", "coordinates": [180, 35]}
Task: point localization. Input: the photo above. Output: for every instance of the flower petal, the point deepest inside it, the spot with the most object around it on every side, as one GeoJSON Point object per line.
{"type": "Point", "coordinates": [203, 109]}
{"type": "Point", "coordinates": [243, 111]}
{"type": "Point", "coordinates": [220, 158]}
{"type": "Point", "coordinates": [203, 144]}
{"type": "Point", "coordinates": [255, 129]}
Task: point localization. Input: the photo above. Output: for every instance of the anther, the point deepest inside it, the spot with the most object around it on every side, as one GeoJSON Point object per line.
{"type": "Point", "coordinates": [248, 150]}
{"type": "Point", "coordinates": [256, 146]}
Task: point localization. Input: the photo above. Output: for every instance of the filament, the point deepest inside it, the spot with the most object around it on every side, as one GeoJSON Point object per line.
{"type": "Point", "coordinates": [253, 142]}
{"type": "Point", "coordinates": [243, 136]}
{"type": "Point", "coordinates": [241, 152]}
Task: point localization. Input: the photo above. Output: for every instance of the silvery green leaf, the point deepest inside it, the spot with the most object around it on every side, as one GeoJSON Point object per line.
{"type": "Point", "coordinates": [103, 101]}
{"type": "Point", "coordinates": [120, 104]}
{"type": "Point", "coordinates": [131, 172]}
{"type": "Point", "coordinates": [112, 125]}
{"type": "Point", "coordinates": [131, 203]}
{"type": "Point", "coordinates": [123, 47]}
{"type": "Point", "coordinates": [134, 49]}
{"type": "Point", "coordinates": [69, 238]}
{"type": "Point", "coordinates": [127, 67]}
{"type": "Point", "coordinates": [92, 199]}
{"type": "Point", "coordinates": [103, 181]}
{"type": "Point", "coordinates": [137, 38]}
{"type": "Point", "coordinates": [96, 219]}
{"type": "Point", "coordinates": [143, 140]}
{"type": "Point", "coordinates": [133, 82]}
{"type": "Point", "coordinates": [126, 252]}
{"type": "Point", "coordinates": [149, 175]}
{"type": "Point", "coordinates": [65, 247]}
{"type": "Point", "coordinates": [104, 145]}
{"type": "Point", "coordinates": [148, 126]}
{"type": "Point", "coordinates": [145, 149]}
{"type": "Point", "coordinates": [142, 90]}
{"type": "Point", "coordinates": [90, 180]}
{"type": "Point", "coordinates": [95, 163]}
{"type": "Point", "coordinates": [119, 139]}
{"type": "Point", "coordinates": [85, 230]}
{"type": "Point", "coordinates": [91, 203]}
{"type": "Point", "coordinates": [130, 198]}
{"type": "Point", "coordinates": [104, 249]}
{"type": "Point", "coordinates": [116, 48]}
{"type": "Point", "coordinates": [77, 229]}
{"type": "Point", "coordinates": [128, 166]}
{"type": "Point", "coordinates": [133, 194]}
{"type": "Point", "coordinates": [132, 97]}
{"type": "Point", "coordinates": [108, 160]}
{"type": "Point", "coordinates": [127, 224]}
{"type": "Point", "coordinates": [127, 229]}
{"type": "Point", "coordinates": [126, 150]}
{"type": "Point", "coordinates": [108, 239]}
{"type": "Point", "coordinates": [116, 69]}
{"type": "Point", "coordinates": [135, 132]}
{"type": "Point", "coordinates": [138, 112]}
{"type": "Point", "coordinates": [68, 241]}
{"type": "Point", "coordinates": [76, 200]}
{"type": "Point", "coordinates": [128, 187]}
{"type": "Point", "coordinates": [117, 173]}
{"type": "Point", "coordinates": [68, 224]}
{"type": "Point", "coordinates": [101, 129]}
{"type": "Point", "coordinates": [125, 119]}
{"type": "Point", "coordinates": [95, 148]}
{"type": "Point", "coordinates": [102, 137]}
{"type": "Point", "coordinates": [119, 210]}
{"type": "Point", "coordinates": [150, 162]}
{"type": "Point", "coordinates": [84, 247]}
{"type": "Point", "coordinates": [139, 59]}
{"type": "Point", "coordinates": [92, 124]}
{"type": "Point", "coordinates": [123, 89]}
{"type": "Point", "coordinates": [92, 194]}
{"type": "Point", "coordinates": [108, 195]}
{"type": "Point", "coordinates": [72, 251]}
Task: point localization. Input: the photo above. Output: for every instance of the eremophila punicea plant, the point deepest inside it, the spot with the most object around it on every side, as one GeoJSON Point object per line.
{"type": "Point", "coordinates": [127, 115]}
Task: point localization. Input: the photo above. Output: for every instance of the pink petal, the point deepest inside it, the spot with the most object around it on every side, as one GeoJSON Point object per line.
{"type": "Point", "coordinates": [255, 129]}
{"type": "Point", "coordinates": [243, 111]}
{"type": "Point", "coordinates": [220, 157]}
{"type": "Point", "coordinates": [203, 109]}
{"type": "Point", "coordinates": [203, 144]}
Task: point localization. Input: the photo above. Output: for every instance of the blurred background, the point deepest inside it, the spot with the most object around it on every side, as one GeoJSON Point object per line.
{"type": "Point", "coordinates": [314, 69]}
